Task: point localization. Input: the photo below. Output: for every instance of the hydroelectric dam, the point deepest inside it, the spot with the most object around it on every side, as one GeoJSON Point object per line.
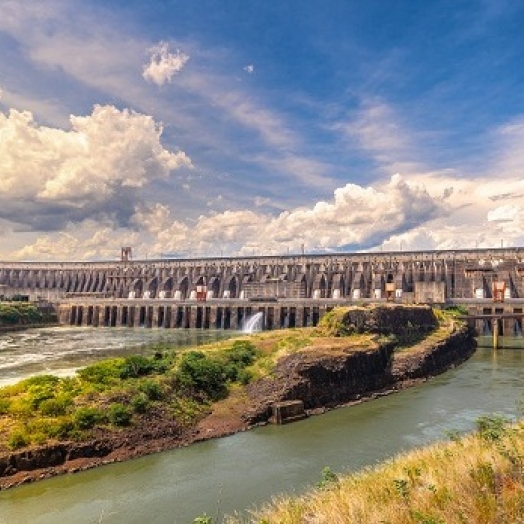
{"type": "Point", "coordinates": [290, 291]}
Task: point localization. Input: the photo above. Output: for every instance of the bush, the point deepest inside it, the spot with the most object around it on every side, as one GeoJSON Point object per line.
{"type": "Point", "coordinates": [152, 389]}
{"type": "Point", "coordinates": [17, 439]}
{"type": "Point", "coordinates": [40, 381]}
{"type": "Point", "coordinates": [136, 366]}
{"type": "Point", "coordinates": [242, 353]}
{"type": "Point", "coordinates": [19, 313]}
{"type": "Point", "coordinates": [87, 418]}
{"type": "Point", "coordinates": [60, 428]}
{"type": "Point", "coordinates": [202, 374]}
{"type": "Point", "coordinates": [102, 373]}
{"type": "Point", "coordinates": [186, 410]}
{"type": "Point", "coordinates": [5, 406]}
{"type": "Point", "coordinates": [119, 415]}
{"type": "Point", "coordinates": [245, 376]}
{"type": "Point", "coordinates": [492, 427]}
{"type": "Point", "coordinates": [40, 389]}
{"type": "Point", "coordinates": [140, 403]}
{"type": "Point", "coordinates": [21, 408]}
{"type": "Point", "coordinates": [55, 407]}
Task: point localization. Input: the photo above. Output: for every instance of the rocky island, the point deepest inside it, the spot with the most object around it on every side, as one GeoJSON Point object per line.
{"type": "Point", "coordinates": [128, 407]}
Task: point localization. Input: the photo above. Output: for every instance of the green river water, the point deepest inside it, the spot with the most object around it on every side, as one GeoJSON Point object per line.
{"type": "Point", "coordinates": [233, 473]}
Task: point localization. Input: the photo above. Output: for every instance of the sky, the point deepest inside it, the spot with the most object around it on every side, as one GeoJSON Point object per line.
{"type": "Point", "coordinates": [190, 128]}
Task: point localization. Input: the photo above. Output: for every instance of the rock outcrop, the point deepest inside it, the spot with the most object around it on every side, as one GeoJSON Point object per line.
{"type": "Point", "coordinates": [325, 380]}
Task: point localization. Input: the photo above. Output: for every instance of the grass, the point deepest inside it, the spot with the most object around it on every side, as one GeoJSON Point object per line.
{"type": "Point", "coordinates": [474, 479]}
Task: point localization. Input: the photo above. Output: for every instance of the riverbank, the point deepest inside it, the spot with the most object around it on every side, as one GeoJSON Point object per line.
{"type": "Point", "coordinates": [477, 478]}
{"type": "Point", "coordinates": [19, 316]}
{"type": "Point", "coordinates": [368, 363]}
{"type": "Point", "coordinates": [24, 327]}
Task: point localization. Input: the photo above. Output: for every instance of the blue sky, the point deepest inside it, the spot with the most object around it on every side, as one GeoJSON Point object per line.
{"type": "Point", "coordinates": [195, 128]}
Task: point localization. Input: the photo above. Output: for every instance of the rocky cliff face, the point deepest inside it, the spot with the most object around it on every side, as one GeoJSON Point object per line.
{"type": "Point", "coordinates": [326, 380]}
{"type": "Point", "coordinates": [432, 357]}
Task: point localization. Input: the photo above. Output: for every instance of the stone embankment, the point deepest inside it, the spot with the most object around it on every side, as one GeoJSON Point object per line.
{"type": "Point", "coordinates": [322, 377]}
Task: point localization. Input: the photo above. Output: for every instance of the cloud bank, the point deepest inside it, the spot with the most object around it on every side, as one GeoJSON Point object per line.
{"type": "Point", "coordinates": [107, 155]}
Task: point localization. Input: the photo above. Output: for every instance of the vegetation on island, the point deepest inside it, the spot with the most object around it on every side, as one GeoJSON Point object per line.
{"type": "Point", "coordinates": [475, 478]}
{"type": "Point", "coordinates": [116, 393]}
{"type": "Point", "coordinates": [180, 386]}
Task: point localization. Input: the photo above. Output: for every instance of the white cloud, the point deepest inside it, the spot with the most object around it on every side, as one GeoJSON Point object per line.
{"type": "Point", "coordinates": [163, 64]}
{"type": "Point", "coordinates": [355, 215]}
{"type": "Point", "coordinates": [249, 69]}
{"type": "Point", "coordinates": [89, 240]}
{"type": "Point", "coordinates": [412, 214]}
{"type": "Point", "coordinates": [102, 152]}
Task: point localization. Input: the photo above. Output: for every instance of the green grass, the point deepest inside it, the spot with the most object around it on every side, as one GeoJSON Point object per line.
{"type": "Point", "coordinates": [118, 392]}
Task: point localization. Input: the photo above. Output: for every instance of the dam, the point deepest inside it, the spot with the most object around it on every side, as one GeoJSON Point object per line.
{"type": "Point", "coordinates": [290, 291]}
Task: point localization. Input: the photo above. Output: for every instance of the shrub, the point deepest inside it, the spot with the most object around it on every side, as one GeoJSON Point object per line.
{"type": "Point", "coordinates": [41, 390]}
{"type": "Point", "coordinates": [40, 381]}
{"type": "Point", "coordinates": [119, 415]}
{"type": "Point", "coordinates": [55, 407]}
{"type": "Point", "coordinates": [187, 410]}
{"type": "Point", "coordinates": [103, 373]}
{"type": "Point", "coordinates": [5, 406]}
{"type": "Point", "coordinates": [140, 403]}
{"type": "Point", "coordinates": [87, 417]}
{"type": "Point", "coordinates": [152, 389]}
{"type": "Point", "coordinates": [136, 366]}
{"type": "Point", "coordinates": [242, 353]}
{"type": "Point", "coordinates": [203, 374]}
{"type": "Point", "coordinates": [245, 376]}
{"type": "Point", "coordinates": [60, 428]}
{"type": "Point", "coordinates": [328, 479]}
{"type": "Point", "coordinates": [17, 439]}
{"type": "Point", "coordinates": [21, 408]}
{"type": "Point", "coordinates": [491, 427]}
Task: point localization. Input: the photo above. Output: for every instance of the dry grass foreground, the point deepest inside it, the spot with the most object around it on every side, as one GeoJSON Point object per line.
{"type": "Point", "coordinates": [478, 479]}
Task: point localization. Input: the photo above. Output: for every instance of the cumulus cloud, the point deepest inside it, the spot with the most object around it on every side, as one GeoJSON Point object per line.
{"type": "Point", "coordinates": [356, 216]}
{"type": "Point", "coordinates": [164, 65]}
{"type": "Point", "coordinates": [249, 69]}
{"type": "Point", "coordinates": [89, 240]}
{"type": "Point", "coordinates": [105, 156]}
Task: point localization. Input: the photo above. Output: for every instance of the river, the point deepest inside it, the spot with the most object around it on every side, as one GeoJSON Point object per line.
{"type": "Point", "coordinates": [235, 472]}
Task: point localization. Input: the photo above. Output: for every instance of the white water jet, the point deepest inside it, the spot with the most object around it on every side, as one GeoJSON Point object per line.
{"type": "Point", "coordinates": [253, 323]}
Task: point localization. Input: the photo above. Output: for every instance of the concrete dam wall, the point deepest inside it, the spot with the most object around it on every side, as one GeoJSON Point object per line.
{"type": "Point", "coordinates": [421, 276]}
{"type": "Point", "coordinates": [294, 290]}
